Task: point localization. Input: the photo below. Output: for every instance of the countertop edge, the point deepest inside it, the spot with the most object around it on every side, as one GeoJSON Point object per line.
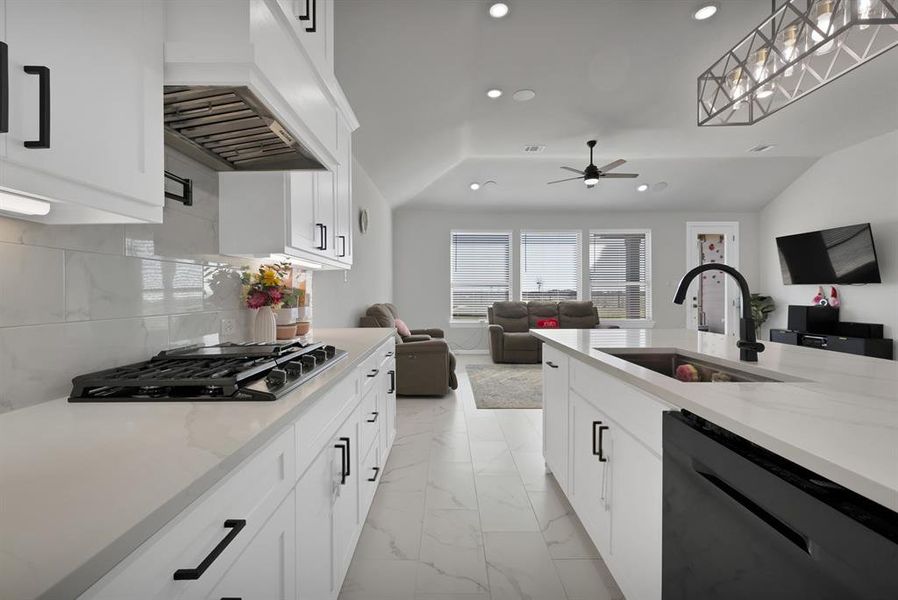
{"type": "Point", "coordinates": [96, 567]}
{"type": "Point", "coordinates": [871, 489]}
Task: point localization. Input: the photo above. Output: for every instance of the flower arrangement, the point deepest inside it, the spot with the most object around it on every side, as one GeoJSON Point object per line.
{"type": "Point", "coordinates": [267, 287]}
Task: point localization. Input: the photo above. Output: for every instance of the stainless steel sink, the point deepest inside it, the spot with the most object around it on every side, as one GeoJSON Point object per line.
{"type": "Point", "coordinates": [667, 363]}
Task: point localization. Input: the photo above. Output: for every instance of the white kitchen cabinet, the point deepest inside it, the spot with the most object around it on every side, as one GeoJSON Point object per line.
{"type": "Point", "coordinates": [343, 223]}
{"type": "Point", "coordinates": [347, 525]}
{"type": "Point", "coordinates": [589, 489]}
{"type": "Point", "coordinates": [316, 578]}
{"type": "Point", "coordinates": [279, 214]}
{"type": "Point", "coordinates": [636, 488]}
{"type": "Point", "coordinates": [266, 570]}
{"type": "Point", "coordinates": [555, 413]}
{"type": "Point", "coordinates": [101, 159]}
{"type": "Point", "coordinates": [313, 22]}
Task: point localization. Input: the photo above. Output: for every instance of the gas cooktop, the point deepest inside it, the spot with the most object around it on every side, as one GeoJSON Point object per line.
{"type": "Point", "coordinates": [226, 372]}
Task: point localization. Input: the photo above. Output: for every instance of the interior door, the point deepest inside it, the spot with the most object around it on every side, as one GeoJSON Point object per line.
{"type": "Point", "coordinates": [103, 63]}
{"type": "Point", "coordinates": [713, 300]}
{"type": "Point", "coordinates": [590, 494]}
{"type": "Point", "coordinates": [266, 570]}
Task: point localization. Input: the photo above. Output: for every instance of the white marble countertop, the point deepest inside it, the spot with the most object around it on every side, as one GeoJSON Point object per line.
{"type": "Point", "coordinates": [83, 485]}
{"type": "Point", "coordinates": [841, 422]}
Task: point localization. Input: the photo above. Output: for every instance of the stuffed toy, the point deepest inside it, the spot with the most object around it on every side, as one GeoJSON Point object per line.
{"type": "Point", "coordinates": [834, 298]}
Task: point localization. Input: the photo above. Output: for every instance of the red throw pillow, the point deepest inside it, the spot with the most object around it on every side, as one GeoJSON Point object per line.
{"type": "Point", "coordinates": [402, 328]}
{"type": "Point", "coordinates": [547, 323]}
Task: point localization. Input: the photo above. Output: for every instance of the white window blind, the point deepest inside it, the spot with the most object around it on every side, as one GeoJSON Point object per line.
{"type": "Point", "coordinates": [480, 265]}
{"type": "Point", "coordinates": [550, 265]}
{"type": "Point", "coordinates": [619, 277]}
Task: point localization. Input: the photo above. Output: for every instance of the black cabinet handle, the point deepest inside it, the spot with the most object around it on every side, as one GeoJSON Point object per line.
{"type": "Point", "coordinates": [4, 87]}
{"type": "Point", "coordinates": [373, 372]}
{"type": "Point", "coordinates": [597, 430]}
{"type": "Point", "coordinates": [43, 82]}
{"type": "Point", "coordinates": [344, 459]}
{"type": "Point", "coordinates": [342, 239]}
{"type": "Point", "coordinates": [388, 354]}
{"type": "Point", "coordinates": [186, 195]}
{"type": "Point", "coordinates": [376, 473]}
{"type": "Point", "coordinates": [782, 528]}
{"type": "Point", "coordinates": [373, 419]}
{"type": "Point", "coordinates": [235, 526]}
{"type": "Point", "coordinates": [322, 228]}
{"type": "Point", "coordinates": [392, 382]}
{"type": "Point", "coordinates": [551, 364]}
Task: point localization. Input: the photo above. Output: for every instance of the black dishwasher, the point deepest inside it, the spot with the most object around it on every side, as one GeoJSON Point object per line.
{"type": "Point", "coordinates": [740, 522]}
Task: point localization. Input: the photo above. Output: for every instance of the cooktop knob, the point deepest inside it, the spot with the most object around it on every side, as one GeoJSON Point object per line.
{"type": "Point", "coordinates": [308, 362]}
{"type": "Point", "coordinates": [276, 377]}
{"type": "Point", "coordinates": [293, 368]}
{"type": "Point", "coordinates": [331, 351]}
{"type": "Point", "coordinates": [320, 355]}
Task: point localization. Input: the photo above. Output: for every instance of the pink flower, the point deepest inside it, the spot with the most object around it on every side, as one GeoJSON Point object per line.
{"type": "Point", "coordinates": [257, 299]}
{"type": "Point", "coordinates": [275, 294]}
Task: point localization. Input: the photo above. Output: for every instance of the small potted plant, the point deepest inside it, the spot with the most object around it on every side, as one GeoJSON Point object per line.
{"type": "Point", "coordinates": [761, 306]}
{"type": "Point", "coordinates": [263, 291]}
{"type": "Point", "coordinates": [287, 315]}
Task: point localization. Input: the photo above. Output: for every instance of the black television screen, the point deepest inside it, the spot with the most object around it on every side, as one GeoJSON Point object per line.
{"type": "Point", "coordinates": [840, 255]}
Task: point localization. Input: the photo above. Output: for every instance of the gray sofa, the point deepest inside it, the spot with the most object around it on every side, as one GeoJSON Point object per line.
{"type": "Point", "coordinates": [510, 324]}
{"type": "Point", "coordinates": [424, 364]}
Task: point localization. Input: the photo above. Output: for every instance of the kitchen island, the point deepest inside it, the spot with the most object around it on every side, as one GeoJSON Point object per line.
{"type": "Point", "coordinates": [128, 487]}
{"type": "Point", "coordinates": [833, 414]}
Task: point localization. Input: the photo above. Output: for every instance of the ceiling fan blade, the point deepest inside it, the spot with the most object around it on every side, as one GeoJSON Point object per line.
{"type": "Point", "coordinates": [572, 170]}
{"type": "Point", "coordinates": [563, 180]}
{"type": "Point", "coordinates": [612, 165]}
{"type": "Point", "coordinates": [619, 175]}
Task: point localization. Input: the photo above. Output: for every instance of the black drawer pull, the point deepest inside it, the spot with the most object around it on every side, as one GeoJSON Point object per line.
{"type": "Point", "coordinates": [392, 389]}
{"type": "Point", "coordinates": [373, 372]}
{"type": "Point", "coordinates": [780, 527]}
{"type": "Point", "coordinates": [388, 354]}
{"type": "Point", "coordinates": [4, 87]}
{"type": "Point", "coordinates": [551, 364]}
{"type": "Point", "coordinates": [600, 452]}
{"type": "Point", "coordinates": [344, 452]}
{"type": "Point", "coordinates": [43, 82]}
{"type": "Point", "coordinates": [373, 419]}
{"type": "Point", "coordinates": [322, 228]}
{"type": "Point", "coordinates": [235, 526]}
{"type": "Point", "coordinates": [342, 239]}
{"type": "Point", "coordinates": [376, 473]}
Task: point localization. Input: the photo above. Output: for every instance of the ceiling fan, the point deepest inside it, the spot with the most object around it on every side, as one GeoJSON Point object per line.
{"type": "Point", "coordinates": [591, 174]}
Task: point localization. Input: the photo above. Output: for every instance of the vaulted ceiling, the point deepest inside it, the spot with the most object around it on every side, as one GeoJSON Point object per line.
{"type": "Point", "coordinates": [620, 71]}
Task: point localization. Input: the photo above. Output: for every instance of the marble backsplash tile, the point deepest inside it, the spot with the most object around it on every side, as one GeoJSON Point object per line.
{"type": "Point", "coordinates": [75, 299]}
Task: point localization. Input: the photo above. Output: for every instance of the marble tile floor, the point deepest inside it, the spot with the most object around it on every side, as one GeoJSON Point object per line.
{"type": "Point", "coordinates": [466, 511]}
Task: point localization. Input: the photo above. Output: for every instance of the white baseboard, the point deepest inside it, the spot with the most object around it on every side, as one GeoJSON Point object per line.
{"type": "Point", "coordinates": [470, 352]}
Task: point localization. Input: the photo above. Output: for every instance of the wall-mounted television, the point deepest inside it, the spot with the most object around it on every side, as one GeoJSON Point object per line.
{"type": "Point", "coordinates": [840, 255]}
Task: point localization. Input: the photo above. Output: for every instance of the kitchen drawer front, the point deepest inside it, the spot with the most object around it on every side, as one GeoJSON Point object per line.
{"type": "Point", "coordinates": [369, 478]}
{"type": "Point", "coordinates": [318, 424]}
{"type": "Point", "coordinates": [251, 494]}
{"type": "Point", "coordinates": [387, 352]}
{"type": "Point", "coordinates": [368, 371]}
{"type": "Point", "coordinates": [636, 411]}
{"type": "Point", "coordinates": [371, 418]}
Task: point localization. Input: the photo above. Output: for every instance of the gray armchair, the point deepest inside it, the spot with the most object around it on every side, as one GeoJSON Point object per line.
{"type": "Point", "coordinates": [424, 364]}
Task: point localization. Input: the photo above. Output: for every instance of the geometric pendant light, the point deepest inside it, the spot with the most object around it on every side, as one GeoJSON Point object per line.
{"type": "Point", "coordinates": [801, 47]}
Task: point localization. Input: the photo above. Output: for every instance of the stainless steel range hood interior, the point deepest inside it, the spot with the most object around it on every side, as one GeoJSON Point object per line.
{"type": "Point", "coordinates": [228, 129]}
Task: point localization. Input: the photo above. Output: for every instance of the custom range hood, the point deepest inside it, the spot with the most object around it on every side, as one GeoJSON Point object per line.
{"type": "Point", "coordinates": [228, 128]}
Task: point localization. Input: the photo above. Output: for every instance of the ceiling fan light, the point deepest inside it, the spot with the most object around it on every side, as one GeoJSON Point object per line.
{"type": "Point", "coordinates": [591, 181]}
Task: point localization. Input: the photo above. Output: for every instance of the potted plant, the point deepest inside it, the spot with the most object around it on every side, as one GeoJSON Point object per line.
{"type": "Point", "coordinates": [263, 291]}
{"type": "Point", "coordinates": [761, 306]}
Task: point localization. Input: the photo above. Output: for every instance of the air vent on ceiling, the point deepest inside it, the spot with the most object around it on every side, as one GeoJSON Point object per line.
{"type": "Point", "coordinates": [533, 148]}
{"type": "Point", "coordinates": [761, 148]}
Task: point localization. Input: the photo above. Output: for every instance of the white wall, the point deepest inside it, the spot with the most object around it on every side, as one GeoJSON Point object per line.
{"type": "Point", "coordinates": [421, 256]}
{"type": "Point", "coordinates": [339, 299]}
{"type": "Point", "coordinates": [855, 185]}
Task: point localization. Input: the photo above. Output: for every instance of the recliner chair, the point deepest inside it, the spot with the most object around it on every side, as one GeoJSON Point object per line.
{"type": "Point", "coordinates": [424, 364]}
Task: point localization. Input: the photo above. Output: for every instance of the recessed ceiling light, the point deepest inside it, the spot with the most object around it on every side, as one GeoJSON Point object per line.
{"type": "Point", "coordinates": [494, 93]}
{"type": "Point", "coordinates": [642, 187]}
{"type": "Point", "coordinates": [524, 95]}
{"type": "Point", "coordinates": [474, 186]}
{"type": "Point", "coordinates": [705, 11]}
{"type": "Point", "coordinates": [498, 10]}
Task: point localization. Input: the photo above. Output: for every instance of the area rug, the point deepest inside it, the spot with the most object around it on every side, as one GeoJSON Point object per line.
{"type": "Point", "coordinates": [506, 386]}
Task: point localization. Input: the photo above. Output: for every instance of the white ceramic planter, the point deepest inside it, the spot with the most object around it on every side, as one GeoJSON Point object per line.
{"type": "Point", "coordinates": [265, 328]}
{"type": "Point", "coordinates": [286, 316]}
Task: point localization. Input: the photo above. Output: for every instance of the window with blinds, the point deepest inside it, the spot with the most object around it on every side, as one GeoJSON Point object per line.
{"type": "Point", "coordinates": [480, 265]}
{"type": "Point", "coordinates": [550, 265]}
{"type": "Point", "coordinates": [619, 274]}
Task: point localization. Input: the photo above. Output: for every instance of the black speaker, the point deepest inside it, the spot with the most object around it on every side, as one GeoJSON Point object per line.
{"type": "Point", "coordinates": [813, 319]}
{"type": "Point", "coordinates": [860, 330]}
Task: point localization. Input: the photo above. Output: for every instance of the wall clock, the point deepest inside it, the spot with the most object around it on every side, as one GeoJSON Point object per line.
{"type": "Point", "coordinates": [363, 220]}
